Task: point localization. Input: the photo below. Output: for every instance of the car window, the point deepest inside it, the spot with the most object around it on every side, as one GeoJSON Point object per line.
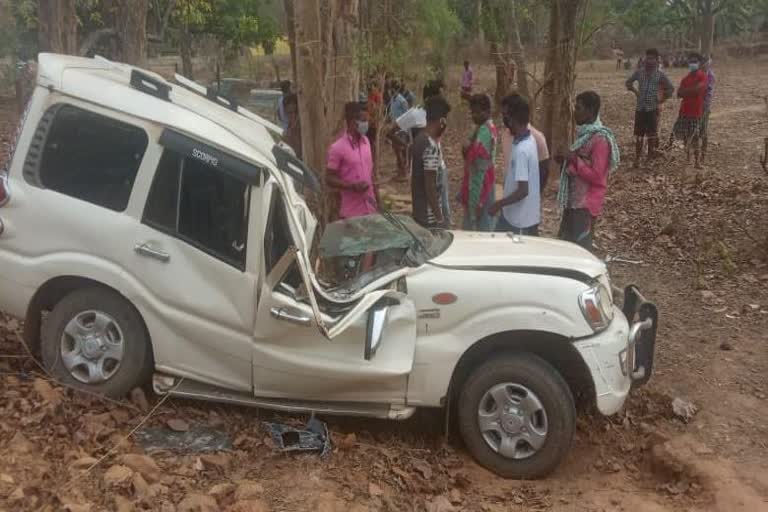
{"type": "Point", "coordinates": [91, 157]}
{"type": "Point", "coordinates": [200, 205]}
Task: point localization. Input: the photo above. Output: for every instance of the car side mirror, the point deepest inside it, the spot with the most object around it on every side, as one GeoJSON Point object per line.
{"type": "Point", "coordinates": [377, 319]}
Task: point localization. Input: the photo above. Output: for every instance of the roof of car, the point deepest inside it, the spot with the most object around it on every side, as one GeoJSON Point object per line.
{"type": "Point", "coordinates": [108, 84]}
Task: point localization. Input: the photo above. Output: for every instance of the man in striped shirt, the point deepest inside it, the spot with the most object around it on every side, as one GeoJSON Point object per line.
{"type": "Point", "coordinates": [654, 88]}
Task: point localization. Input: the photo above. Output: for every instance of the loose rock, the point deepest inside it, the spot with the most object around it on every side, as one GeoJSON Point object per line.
{"type": "Point", "coordinates": [683, 409]}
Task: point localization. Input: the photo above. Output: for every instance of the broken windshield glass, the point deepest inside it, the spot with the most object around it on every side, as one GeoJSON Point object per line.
{"type": "Point", "coordinates": [374, 233]}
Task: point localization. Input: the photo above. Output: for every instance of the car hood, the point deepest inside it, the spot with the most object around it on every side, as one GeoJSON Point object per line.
{"type": "Point", "coordinates": [507, 252]}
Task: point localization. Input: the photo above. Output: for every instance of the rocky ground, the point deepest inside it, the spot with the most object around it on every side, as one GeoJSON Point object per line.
{"type": "Point", "coordinates": [696, 242]}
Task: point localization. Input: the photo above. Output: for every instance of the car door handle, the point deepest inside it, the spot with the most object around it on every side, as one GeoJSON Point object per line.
{"type": "Point", "coordinates": [147, 250]}
{"type": "Point", "coordinates": [290, 316]}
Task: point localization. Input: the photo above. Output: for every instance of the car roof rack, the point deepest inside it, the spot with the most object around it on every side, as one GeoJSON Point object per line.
{"type": "Point", "coordinates": [210, 94]}
{"type": "Point", "coordinates": [150, 85]}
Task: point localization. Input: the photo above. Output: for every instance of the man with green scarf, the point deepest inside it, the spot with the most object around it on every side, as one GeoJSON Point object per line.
{"type": "Point", "coordinates": [584, 177]}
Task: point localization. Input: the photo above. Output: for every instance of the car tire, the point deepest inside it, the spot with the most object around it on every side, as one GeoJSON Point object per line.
{"type": "Point", "coordinates": [536, 384]}
{"type": "Point", "coordinates": [76, 354]}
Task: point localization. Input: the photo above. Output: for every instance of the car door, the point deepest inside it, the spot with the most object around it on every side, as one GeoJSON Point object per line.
{"type": "Point", "coordinates": [309, 348]}
{"type": "Point", "coordinates": [192, 256]}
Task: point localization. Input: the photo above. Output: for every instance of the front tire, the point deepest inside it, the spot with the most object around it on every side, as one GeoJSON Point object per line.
{"type": "Point", "coordinates": [517, 416]}
{"type": "Point", "coordinates": [95, 340]}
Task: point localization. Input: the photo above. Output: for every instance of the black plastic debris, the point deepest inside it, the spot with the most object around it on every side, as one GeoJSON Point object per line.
{"type": "Point", "coordinates": [312, 438]}
{"type": "Point", "coordinates": [195, 440]}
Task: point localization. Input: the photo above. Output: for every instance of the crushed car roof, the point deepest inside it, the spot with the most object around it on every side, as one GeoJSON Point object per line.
{"type": "Point", "coordinates": [108, 84]}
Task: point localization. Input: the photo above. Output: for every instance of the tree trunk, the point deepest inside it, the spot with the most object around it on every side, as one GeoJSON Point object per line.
{"type": "Point", "coordinates": [518, 53]}
{"type": "Point", "coordinates": [560, 74]}
{"type": "Point", "coordinates": [310, 82]}
{"type": "Point", "coordinates": [707, 33]}
{"type": "Point", "coordinates": [479, 22]}
{"type": "Point", "coordinates": [57, 26]}
{"type": "Point", "coordinates": [185, 45]}
{"type": "Point", "coordinates": [131, 25]}
{"type": "Point", "coordinates": [502, 71]}
{"type": "Point", "coordinates": [290, 21]}
{"type": "Point", "coordinates": [343, 77]}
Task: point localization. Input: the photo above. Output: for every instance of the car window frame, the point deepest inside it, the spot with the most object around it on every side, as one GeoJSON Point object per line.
{"type": "Point", "coordinates": [175, 233]}
{"type": "Point", "coordinates": [33, 159]}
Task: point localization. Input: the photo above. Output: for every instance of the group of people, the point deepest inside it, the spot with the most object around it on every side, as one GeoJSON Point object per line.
{"type": "Point", "coordinates": [654, 88]}
{"type": "Point", "coordinates": [583, 180]}
{"type": "Point", "coordinates": [417, 132]}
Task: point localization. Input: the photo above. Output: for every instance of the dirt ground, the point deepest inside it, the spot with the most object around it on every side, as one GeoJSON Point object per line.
{"type": "Point", "coordinates": [697, 245]}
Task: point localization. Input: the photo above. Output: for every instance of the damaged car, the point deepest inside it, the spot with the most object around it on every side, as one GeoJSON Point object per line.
{"type": "Point", "coordinates": [152, 231]}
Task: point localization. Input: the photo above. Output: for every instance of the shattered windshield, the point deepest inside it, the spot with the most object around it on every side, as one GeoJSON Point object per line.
{"type": "Point", "coordinates": [375, 233]}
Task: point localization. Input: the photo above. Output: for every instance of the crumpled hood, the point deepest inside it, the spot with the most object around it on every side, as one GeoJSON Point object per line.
{"type": "Point", "coordinates": [500, 250]}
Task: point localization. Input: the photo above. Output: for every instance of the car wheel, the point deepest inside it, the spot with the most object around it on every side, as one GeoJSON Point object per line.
{"type": "Point", "coordinates": [517, 416]}
{"type": "Point", "coordinates": [95, 340]}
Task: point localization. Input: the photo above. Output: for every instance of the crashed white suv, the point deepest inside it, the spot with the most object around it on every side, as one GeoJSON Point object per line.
{"type": "Point", "coordinates": [152, 230]}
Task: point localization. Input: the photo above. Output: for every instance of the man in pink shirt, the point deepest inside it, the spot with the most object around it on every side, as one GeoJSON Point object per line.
{"type": "Point", "coordinates": [541, 148]}
{"type": "Point", "coordinates": [584, 179]}
{"type": "Point", "coordinates": [350, 165]}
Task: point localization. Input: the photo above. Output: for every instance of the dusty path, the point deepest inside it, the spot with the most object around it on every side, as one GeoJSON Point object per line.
{"type": "Point", "coordinates": [701, 238]}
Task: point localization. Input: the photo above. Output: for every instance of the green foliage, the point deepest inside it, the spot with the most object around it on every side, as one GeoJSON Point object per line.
{"type": "Point", "coordinates": [412, 27]}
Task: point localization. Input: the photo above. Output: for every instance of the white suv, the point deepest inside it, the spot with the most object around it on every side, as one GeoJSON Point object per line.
{"type": "Point", "coordinates": [151, 230]}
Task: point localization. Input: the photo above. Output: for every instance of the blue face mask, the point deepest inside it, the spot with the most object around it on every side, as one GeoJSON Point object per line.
{"type": "Point", "coordinates": [692, 66]}
{"type": "Point", "coordinates": [362, 127]}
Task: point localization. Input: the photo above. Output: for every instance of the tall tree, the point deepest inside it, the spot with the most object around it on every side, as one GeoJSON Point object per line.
{"type": "Point", "coordinates": [57, 26]}
{"type": "Point", "coordinates": [131, 26]}
{"type": "Point", "coordinates": [560, 72]}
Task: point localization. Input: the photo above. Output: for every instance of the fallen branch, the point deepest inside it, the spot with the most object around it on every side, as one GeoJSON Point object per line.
{"type": "Point", "coordinates": [764, 159]}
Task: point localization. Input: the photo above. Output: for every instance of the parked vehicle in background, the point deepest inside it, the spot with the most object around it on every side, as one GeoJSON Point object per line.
{"type": "Point", "coordinates": [154, 230]}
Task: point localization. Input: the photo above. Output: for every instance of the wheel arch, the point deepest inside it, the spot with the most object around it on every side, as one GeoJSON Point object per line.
{"type": "Point", "coordinates": [54, 290]}
{"type": "Point", "coordinates": [555, 349]}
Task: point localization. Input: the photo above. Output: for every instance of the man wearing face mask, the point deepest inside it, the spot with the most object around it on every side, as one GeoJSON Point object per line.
{"type": "Point", "coordinates": [654, 88]}
{"type": "Point", "coordinates": [693, 91]}
{"type": "Point", "coordinates": [350, 165]}
{"type": "Point", "coordinates": [429, 174]}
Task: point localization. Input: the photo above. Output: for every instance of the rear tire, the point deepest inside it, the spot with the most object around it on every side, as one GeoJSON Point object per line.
{"type": "Point", "coordinates": [533, 425]}
{"type": "Point", "coordinates": [95, 340]}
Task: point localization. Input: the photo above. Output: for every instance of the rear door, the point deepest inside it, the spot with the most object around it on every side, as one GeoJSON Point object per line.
{"type": "Point", "coordinates": [309, 348]}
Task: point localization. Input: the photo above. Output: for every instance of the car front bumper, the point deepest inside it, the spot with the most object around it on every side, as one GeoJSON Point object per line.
{"type": "Point", "coordinates": [621, 357]}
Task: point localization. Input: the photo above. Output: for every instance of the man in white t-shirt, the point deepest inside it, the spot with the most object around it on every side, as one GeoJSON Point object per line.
{"type": "Point", "coordinates": [541, 147]}
{"type": "Point", "coordinates": [521, 204]}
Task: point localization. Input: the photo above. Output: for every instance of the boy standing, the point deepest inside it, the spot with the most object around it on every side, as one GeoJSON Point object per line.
{"type": "Point", "coordinates": [350, 165]}
{"type": "Point", "coordinates": [429, 176]}
{"type": "Point", "coordinates": [692, 90]}
{"type": "Point", "coordinates": [584, 179]}
{"type": "Point", "coordinates": [654, 88]}
{"type": "Point", "coordinates": [521, 204]}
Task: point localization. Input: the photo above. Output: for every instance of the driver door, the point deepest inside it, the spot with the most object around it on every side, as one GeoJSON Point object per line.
{"type": "Point", "coordinates": [307, 348]}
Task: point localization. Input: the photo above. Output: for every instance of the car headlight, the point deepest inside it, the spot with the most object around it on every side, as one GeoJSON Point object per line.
{"type": "Point", "coordinates": [597, 307]}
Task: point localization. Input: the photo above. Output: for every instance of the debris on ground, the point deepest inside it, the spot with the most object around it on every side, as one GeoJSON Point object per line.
{"type": "Point", "coordinates": [313, 437]}
{"type": "Point", "coordinates": [683, 409]}
{"type": "Point", "coordinates": [193, 440]}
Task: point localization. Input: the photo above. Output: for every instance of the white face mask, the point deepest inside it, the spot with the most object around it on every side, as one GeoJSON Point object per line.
{"type": "Point", "coordinates": [362, 127]}
{"type": "Point", "coordinates": [692, 66]}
